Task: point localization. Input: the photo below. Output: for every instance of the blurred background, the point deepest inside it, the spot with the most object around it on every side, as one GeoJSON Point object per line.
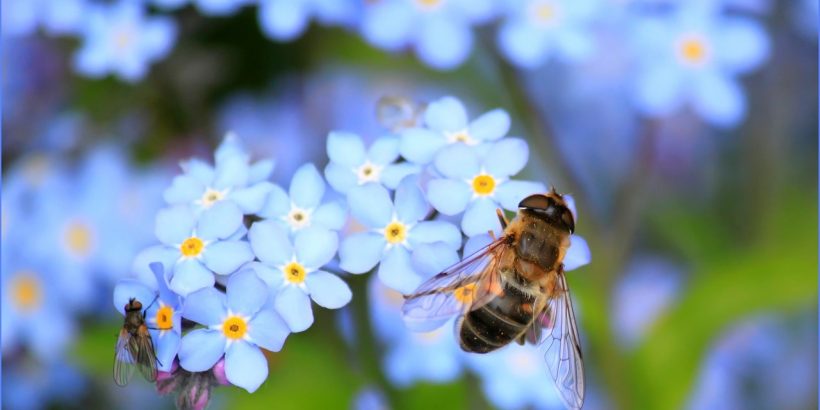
{"type": "Point", "coordinates": [686, 131]}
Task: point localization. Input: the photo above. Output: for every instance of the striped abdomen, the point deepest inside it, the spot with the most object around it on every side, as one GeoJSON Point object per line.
{"type": "Point", "coordinates": [498, 322]}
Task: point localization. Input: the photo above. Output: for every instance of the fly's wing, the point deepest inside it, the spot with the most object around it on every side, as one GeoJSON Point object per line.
{"type": "Point", "coordinates": [124, 359]}
{"type": "Point", "coordinates": [146, 356]}
{"type": "Point", "coordinates": [464, 286]}
{"type": "Point", "coordinates": [556, 331]}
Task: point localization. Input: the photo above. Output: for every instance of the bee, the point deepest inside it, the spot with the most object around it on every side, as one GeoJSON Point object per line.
{"type": "Point", "coordinates": [514, 289]}
{"type": "Point", "coordinates": [135, 348]}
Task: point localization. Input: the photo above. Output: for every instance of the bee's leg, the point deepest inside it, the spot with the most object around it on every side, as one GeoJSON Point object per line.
{"type": "Point", "coordinates": [501, 218]}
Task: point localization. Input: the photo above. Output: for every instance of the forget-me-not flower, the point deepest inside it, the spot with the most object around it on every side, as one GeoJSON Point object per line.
{"type": "Point", "coordinates": [285, 20]}
{"type": "Point", "coordinates": [293, 270]}
{"type": "Point", "coordinates": [352, 165]}
{"type": "Point", "coordinates": [395, 231]}
{"type": "Point", "coordinates": [202, 245]}
{"type": "Point", "coordinates": [477, 183]}
{"type": "Point", "coordinates": [693, 57]}
{"type": "Point", "coordinates": [119, 39]}
{"type": "Point", "coordinates": [446, 122]}
{"type": "Point", "coordinates": [302, 206]}
{"type": "Point", "coordinates": [55, 16]}
{"type": "Point", "coordinates": [233, 179]}
{"type": "Point", "coordinates": [237, 325]}
{"type": "Point", "coordinates": [536, 30]}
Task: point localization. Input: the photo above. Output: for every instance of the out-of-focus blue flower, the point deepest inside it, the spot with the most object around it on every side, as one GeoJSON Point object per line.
{"type": "Point", "coordinates": [237, 325]}
{"type": "Point", "coordinates": [643, 294]}
{"type": "Point", "coordinates": [292, 270]}
{"type": "Point", "coordinates": [169, 4]}
{"type": "Point", "coordinates": [55, 16]}
{"type": "Point", "coordinates": [351, 165]}
{"type": "Point", "coordinates": [694, 56]}
{"type": "Point", "coordinates": [536, 30]}
{"type": "Point", "coordinates": [285, 20]}
{"type": "Point", "coordinates": [446, 123]}
{"type": "Point", "coordinates": [303, 208]}
{"type": "Point", "coordinates": [35, 386]}
{"type": "Point", "coordinates": [515, 377]}
{"type": "Point", "coordinates": [439, 30]}
{"type": "Point", "coordinates": [162, 311]}
{"type": "Point", "coordinates": [412, 356]}
{"type": "Point", "coordinates": [477, 183]}
{"type": "Point", "coordinates": [803, 13]}
{"type": "Point", "coordinates": [196, 248]}
{"type": "Point", "coordinates": [396, 231]}
{"type": "Point", "coordinates": [233, 179]}
{"type": "Point", "coordinates": [119, 39]}
{"type": "Point", "coordinates": [220, 7]}
{"type": "Point", "coordinates": [370, 398]}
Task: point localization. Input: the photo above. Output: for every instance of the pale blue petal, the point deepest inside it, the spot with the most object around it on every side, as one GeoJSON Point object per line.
{"type": "Point", "coordinates": [448, 196]}
{"type": "Point", "coordinates": [393, 174]}
{"type": "Point", "coordinates": [221, 220]}
{"type": "Point", "coordinates": [490, 126]}
{"type": "Point", "coordinates": [261, 170]}
{"type": "Point", "coordinates": [345, 149]}
{"type": "Point", "coordinates": [277, 203]}
{"type": "Point", "coordinates": [575, 45]}
{"type": "Point", "coordinates": [458, 161]}
{"type": "Point", "coordinates": [327, 290]}
{"type": "Point", "coordinates": [200, 349]}
{"type": "Point", "coordinates": [444, 43]}
{"type": "Point", "coordinates": [225, 257]}
{"type": "Point", "coordinates": [127, 289]}
{"type": "Point", "coordinates": [205, 306]}
{"type": "Point", "coordinates": [419, 145]}
{"type": "Point", "coordinates": [166, 349]}
{"type": "Point", "coordinates": [307, 187]}
{"type": "Point", "coordinates": [189, 276]}
{"type": "Point", "coordinates": [315, 246]}
{"type": "Point", "coordinates": [570, 200]}
{"type": "Point", "coordinates": [330, 215]}
{"type": "Point", "coordinates": [578, 253]}
{"type": "Point", "coordinates": [158, 253]}
{"type": "Point", "coordinates": [231, 146]}
{"type": "Point", "coordinates": [429, 259]}
{"type": "Point", "coordinates": [199, 169]}
{"type": "Point", "coordinates": [174, 224]}
{"type": "Point", "coordinates": [510, 193]}
{"type": "Point", "coordinates": [270, 243]}
{"type": "Point", "coordinates": [246, 293]}
{"type": "Point", "coordinates": [477, 242]}
{"type": "Point", "coordinates": [718, 99]}
{"type": "Point", "coordinates": [294, 306]}
{"type": "Point", "coordinates": [524, 45]}
{"type": "Point", "coordinates": [660, 89]}
{"type": "Point", "coordinates": [506, 157]}
{"type": "Point", "coordinates": [183, 190]}
{"type": "Point", "coordinates": [370, 204]}
{"type": "Point", "coordinates": [435, 231]}
{"type": "Point", "coordinates": [268, 330]}
{"type": "Point", "coordinates": [384, 150]}
{"type": "Point", "coordinates": [251, 199]}
{"type": "Point", "coordinates": [360, 252]}
{"type": "Point", "coordinates": [396, 271]}
{"type": "Point", "coordinates": [480, 217]}
{"type": "Point", "coordinates": [283, 19]}
{"type": "Point", "coordinates": [446, 114]}
{"type": "Point", "coordinates": [387, 25]}
{"type": "Point", "coordinates": [339, 177]}
{"type": "Point", "coordinates": [233, 172]}
{"type": "Point", "coordinates": [741, 45]}
{"type": "Point", "coordinates": [273, 277]}
{"type": "Point", "coordinates": [410, 203]}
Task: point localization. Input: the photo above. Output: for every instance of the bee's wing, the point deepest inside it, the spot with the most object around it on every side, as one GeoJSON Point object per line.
{"type": "Point", "coordinates": [434, 302]}
{"type": "Point", "coordinates": [556, 331]}
{"type": "Point", "coordinates": [146, 356]}
{"type": "Point", "coordinates": [124, 360]}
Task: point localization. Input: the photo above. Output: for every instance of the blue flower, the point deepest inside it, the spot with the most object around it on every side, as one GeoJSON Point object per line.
{"type": "Point", "coordinates": [285, 20]}
{"type": "Point", "coordinates": [56, 16]}
{"type": "Point", "coordinates": [120, 40]}
{"type": "Point", "coordinates": [439, 30]}
{"type": "Point", "coordinates": [232, 180]}
{"type": "Point", "coordinates": [446, 123]}
{"type": "Point", "coordinates": [536, 30]}
{"type": "Point", "coordinates": [396, 231]}
{"type": "Point", "coordinates": [693, 57]}
{"type": "Point", "coordinates": [303, 207]}
{"type": "Point", "coordinates": [202, 246]}
{"type": "Point", "coordinates": [162, 310]}
{"type": "Point", "coordinates": [219, 7]}
{"type": "Point", "coordinates": [351, 165]}
{"type": "Point", "coordinates": [42, 385]}
{"type": "Point", "coordinates": [292, 270]}
{"type": "Point", "coordinates": [480, 183]}
{"type": "Point", "coordinates": [236, 325]}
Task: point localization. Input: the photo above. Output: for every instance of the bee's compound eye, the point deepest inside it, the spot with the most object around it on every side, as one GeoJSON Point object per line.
{"type": "Point", "coordinates": [536, 201]}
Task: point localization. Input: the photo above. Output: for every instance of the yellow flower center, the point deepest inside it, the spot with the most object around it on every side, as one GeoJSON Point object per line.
{"type": "Point", "coordinates": [483, 185]}
{"type": "Point", "coordinates": [429, 4]}
{"type": "Point", "coordinates": [462, 136]}
{"type": "Point", "coordinates": [395, 233]}
{"type": "Point", "coordinates": [191, 247]}
{"type": "Point", "coordinates": [165, 316]}
{"type": "Point", "coordinates": [465, 294]}
{"type": "Point", "coordinates": [210, 197]}
{"type": "Point", "coordinates": [234, 327]}
{"type": "Point", "coordinates": [26, 291]}
{"type": "Point", "coordinates": [544, 12]}
{"type": "Point", "coordinates": [430, 337]}
{"type": "Point", "coordinates": [295, 272]}
{"type": "Point", "coordinates": [78, 237]}
{"type": "Point", "coordinates": [693, 50]}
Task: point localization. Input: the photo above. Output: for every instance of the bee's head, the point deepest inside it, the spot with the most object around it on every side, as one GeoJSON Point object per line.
{"type": "Point", "coordinates": [133, 304]}
{"type": "Point", "coordinates": [550, 206]}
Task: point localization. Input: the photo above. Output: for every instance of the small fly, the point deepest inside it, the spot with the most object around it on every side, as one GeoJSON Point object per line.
{"type": "Point", "coordinates": [135, 348]}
